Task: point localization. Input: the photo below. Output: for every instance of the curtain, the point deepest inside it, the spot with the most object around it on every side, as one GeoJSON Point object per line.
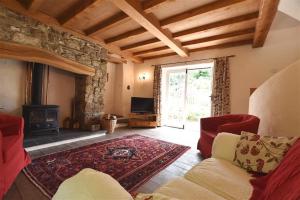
{"type": "Point", "coordinates": [157, 92]}
{"type": "Point", "coordinates": [221, 87]}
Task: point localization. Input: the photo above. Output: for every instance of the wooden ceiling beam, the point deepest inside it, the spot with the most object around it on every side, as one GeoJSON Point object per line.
{"type": "Point", "coordinates": [74, 11]}
{"type": "Point", "coordinates": [219, 46]}
{"type": "Point", "coordinates": [133, 9]}
{"type": "Point", "coordinates": [150, 50]}
{"type": "Point", "coordinates": [200, 29]}
{"type": "Point", "coordinates": [267, 12]}
{"type": "Point", "coordinates": [126, 35]}
{"type": "Point", "coordinates": [219, 37]}
{"type": "Point", "coordinates": [182, 16]}
{"type": "Point", "coordinates": [198, 11]}
{"type": "Point", "coordinates": [119, 18]}
{"type": "Point", "coordinates": [219, 24]}
{"type": "Point", "coordinates": [140, 44]}
{"type": "Point", "coordinates": [32, 5]}
{"type": "Point", "coordinates": [225, 45]}
{"type": "Point", "coordinates": [202, 40]}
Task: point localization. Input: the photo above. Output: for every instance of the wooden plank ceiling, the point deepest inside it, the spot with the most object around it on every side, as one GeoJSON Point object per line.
{"type": "Point", "coordinates": [144, 29]}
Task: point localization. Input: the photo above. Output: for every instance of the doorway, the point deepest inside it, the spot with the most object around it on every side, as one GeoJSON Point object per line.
{"type": "Point", "coordinates": [186, 95]}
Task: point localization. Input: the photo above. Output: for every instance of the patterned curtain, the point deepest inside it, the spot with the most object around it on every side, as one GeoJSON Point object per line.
{"type": "Point", "coordinates": [221, 87]}
{"type": "Point", "coordinates": [157, 92]}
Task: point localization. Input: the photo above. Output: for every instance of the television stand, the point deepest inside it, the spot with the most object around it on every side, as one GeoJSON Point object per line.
{"type": "Point", "coordinates": [142, 120]}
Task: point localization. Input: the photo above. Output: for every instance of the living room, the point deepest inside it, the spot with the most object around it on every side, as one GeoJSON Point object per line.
{"type": "Point", "coordinates": [133, 103]}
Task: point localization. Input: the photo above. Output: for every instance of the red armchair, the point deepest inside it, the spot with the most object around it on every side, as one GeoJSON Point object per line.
{"type": "Point", "coordinates": [13, 157]}
{"type": "Point", "coordinates": [211, 126]}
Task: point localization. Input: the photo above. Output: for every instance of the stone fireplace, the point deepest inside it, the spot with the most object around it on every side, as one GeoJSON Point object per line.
{"type": "Point", "coordinates": [89, 93]}
{"type": "Point", "coordinates": [26, 39]}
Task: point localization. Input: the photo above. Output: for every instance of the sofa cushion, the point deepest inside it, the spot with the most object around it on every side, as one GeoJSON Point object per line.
{"type": "Point", "coordinates": [153, 196]}
{"type": "Point", "coordinates": [227, 140]}
{"type": "Point", "coordinates": [183, 189]}
{"type": "Point", "coordinates": [90, 184]}
{"type": "Point", "coordinates": [261, 153]}
{"type": "Point", "coordinates": [221, 177]}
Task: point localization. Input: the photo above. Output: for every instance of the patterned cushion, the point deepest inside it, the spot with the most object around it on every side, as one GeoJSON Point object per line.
{"type": "Point", "coordinates": [261, 154]}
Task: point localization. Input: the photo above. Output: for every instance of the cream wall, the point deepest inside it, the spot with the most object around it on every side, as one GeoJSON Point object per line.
{"type": "Point", "coordinates": [276, 103]}
{"type": "Point", "coordinates": [290, 7]}
{"type": "Point", "coordinates": [12, 86]}
{"type": "Point", "coordinates": [249, 69]}
{"type": "Point", "coordinates": [124, 77]}
{"type": "Point", "coordinates": [109, 94]}
{"type": "Point", "coordinates": [128, 81]}
{"type": "Point", "coordinates": [61, 91]}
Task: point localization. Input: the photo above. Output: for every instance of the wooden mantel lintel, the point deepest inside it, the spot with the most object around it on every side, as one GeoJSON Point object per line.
{"type": "Point", "coordinates": [33, 54]}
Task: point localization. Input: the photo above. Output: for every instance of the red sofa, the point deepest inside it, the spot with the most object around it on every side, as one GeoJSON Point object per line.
{"type": "Point", "coordinates": [211, 126]}
{"type": "Point", "coordinates": [13, 157]}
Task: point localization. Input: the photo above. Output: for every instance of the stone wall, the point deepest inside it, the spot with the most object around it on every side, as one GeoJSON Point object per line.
{"type": "Point", "coordinates": [89, 97]}
{"type": "Point", "coordinates": [24, 30]}
{"type": "Point", "coordinates": [89, 92]}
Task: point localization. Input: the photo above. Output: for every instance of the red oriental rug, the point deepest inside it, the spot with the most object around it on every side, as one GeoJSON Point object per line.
{"type": "Point", "coordinates": [132, 160]}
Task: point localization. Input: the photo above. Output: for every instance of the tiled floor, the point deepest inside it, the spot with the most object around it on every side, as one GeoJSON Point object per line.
{"type": "Point", "coordinates": [23, 189]}
{"type": "Point", "coordinates": [44, 138]}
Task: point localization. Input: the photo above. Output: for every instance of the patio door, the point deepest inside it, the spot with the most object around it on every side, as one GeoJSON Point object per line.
{"type": "Point", "coordinates": [187, 96]}
{"type": "Point", "coordinates": [198, 96]}
{"type": "Point", "coordinates": [174, 103]}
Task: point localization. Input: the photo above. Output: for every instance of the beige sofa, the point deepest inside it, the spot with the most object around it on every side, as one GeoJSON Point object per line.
{"type": "Point", "coordinates": [215, 178]}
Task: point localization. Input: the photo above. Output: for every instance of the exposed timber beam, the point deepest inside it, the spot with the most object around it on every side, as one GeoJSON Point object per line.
{"type": "Point", "coordinates": [126, 35]}
{"type": "Point", "coordinates": [182, 16]}
{"type": "Point", "coordinates": [199, 30]}
{"type": "Point", "coordinates": [140, 44]}
{"type": "Point", "coordinates": [119, 18]}
{"type": "Point", "coordinates": [220, 37]}
{"type": "Point", "coordinates": [249, 31]}
{"type": "Point", "coordinates": [133, 9]}
{"type": "Point", "coordinates": [267, 12]}
{"type": "Point", "coordinates": [219, 24]}
{"type": "Point", "coordinates": [32, 5]}
{"type": "Point", "coordinates": [219, 46]}
{"type": "Point", "coordinates": [74, 10]}
{"type": "Point", "coordinates": [32, 54]}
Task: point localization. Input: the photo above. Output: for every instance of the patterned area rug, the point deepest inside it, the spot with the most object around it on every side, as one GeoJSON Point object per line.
{"type": "Point", "coordinates": [132, 160]}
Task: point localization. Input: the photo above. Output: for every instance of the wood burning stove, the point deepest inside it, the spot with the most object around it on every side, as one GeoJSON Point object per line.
{"type": "Point", "coordinates": [38, 117]}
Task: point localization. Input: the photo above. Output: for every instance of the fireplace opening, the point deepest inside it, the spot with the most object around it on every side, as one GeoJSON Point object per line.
{"type": "Point", "coordinates": [38, 117]}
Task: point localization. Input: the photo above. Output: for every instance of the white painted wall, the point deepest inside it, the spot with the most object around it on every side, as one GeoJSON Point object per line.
{"type": "Point", "coordinates": [276, 103]}
{"type": "Point", "coordinates": [249, 69]}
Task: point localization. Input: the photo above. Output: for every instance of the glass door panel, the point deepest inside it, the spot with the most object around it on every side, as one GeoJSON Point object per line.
{"type": "Point", "coordinates": [175, 98]}
{"type": "Point", "coordinates": [198, 92]}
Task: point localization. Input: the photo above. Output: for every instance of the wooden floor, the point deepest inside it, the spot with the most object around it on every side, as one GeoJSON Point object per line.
{"type": "Point", "coordinates": [23, 189]}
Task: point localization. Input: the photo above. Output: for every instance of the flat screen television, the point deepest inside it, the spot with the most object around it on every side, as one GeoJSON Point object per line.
{"type": "Point", "coordinates": [142, 105]}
